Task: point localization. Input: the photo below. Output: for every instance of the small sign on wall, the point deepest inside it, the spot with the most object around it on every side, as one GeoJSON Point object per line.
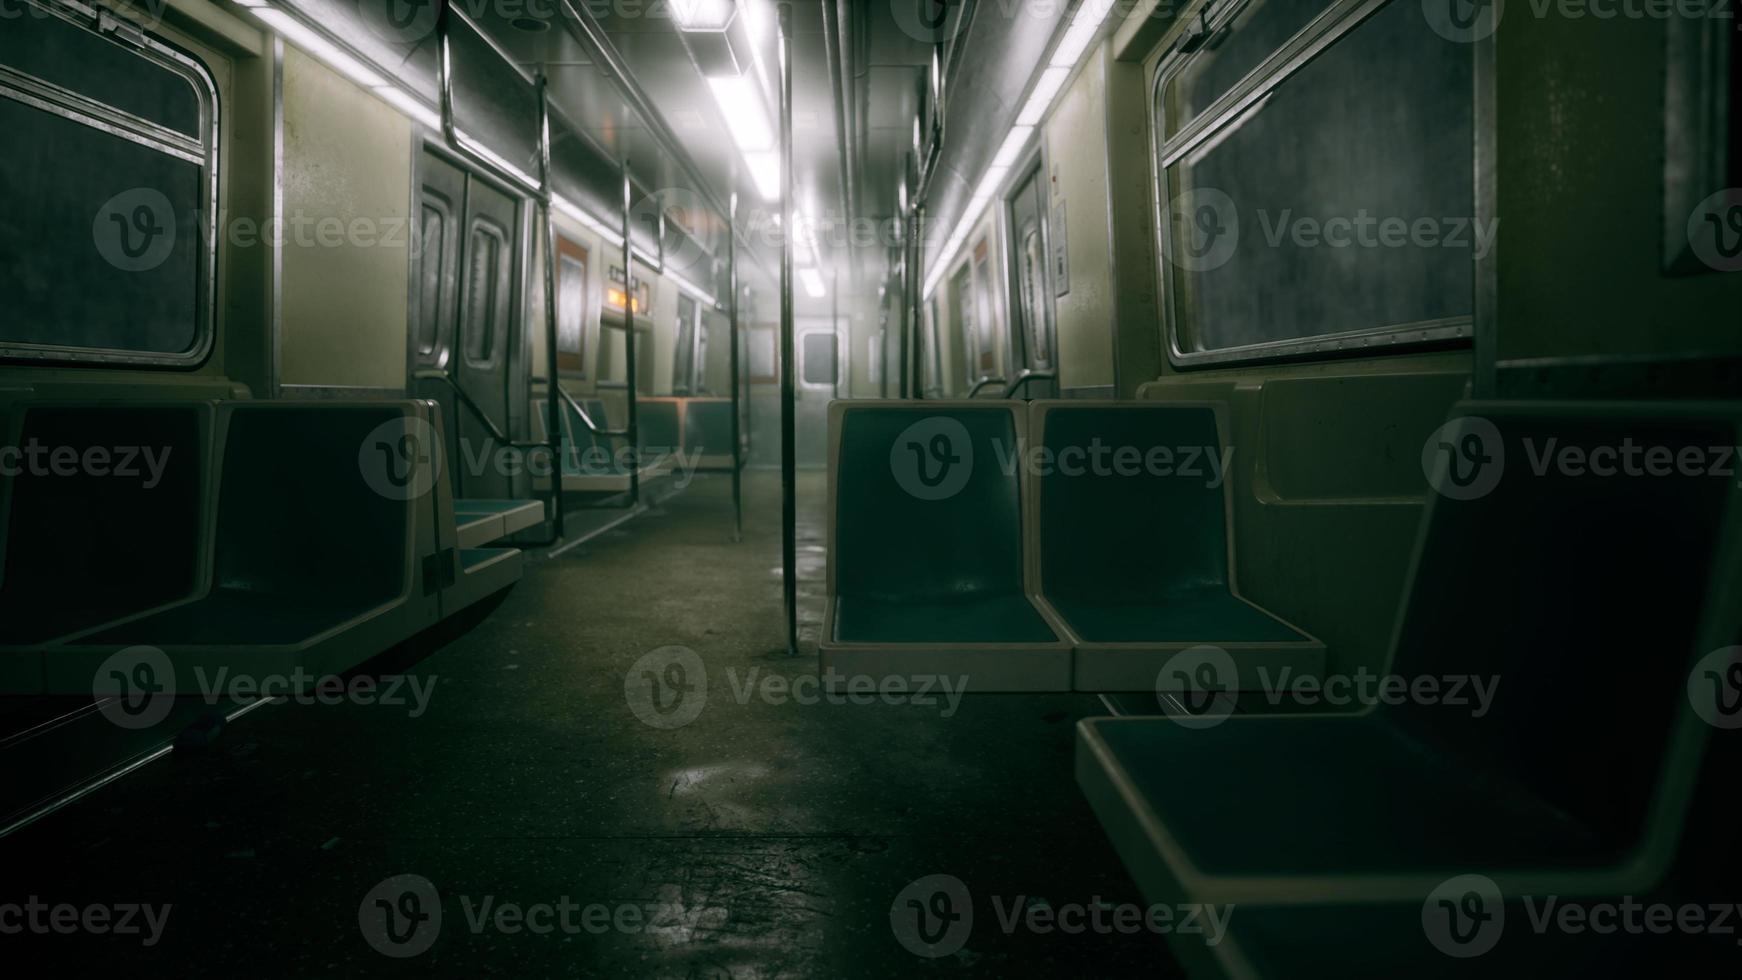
{"type": "Point", "coordinates": [1061, 260]}
{"type": "Point", "coordinates": [874, 357]}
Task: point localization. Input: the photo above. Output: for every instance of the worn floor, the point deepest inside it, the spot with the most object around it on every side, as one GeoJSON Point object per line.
{"type": "Point", "coordinates": [764, 838]}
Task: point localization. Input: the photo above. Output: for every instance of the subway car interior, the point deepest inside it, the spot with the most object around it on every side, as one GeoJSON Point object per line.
{"type": "Point", "coordinates": [871, 488]}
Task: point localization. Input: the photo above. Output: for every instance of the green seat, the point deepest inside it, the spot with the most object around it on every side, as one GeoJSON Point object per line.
{"type": "Point", "coordinates": [980, 619]}
{"type": "Point", "coordinates": [707, 430]}
{"type": "Point", "coordinates": [1169, 580]}
{"type": "Point", "coordinates": [1132, 502]}
{"type": "Point", "coordinates": [658, 429]}
{"type": "Point", "coordinates": [1389, 940]}
{"type": "Point", "coordinates": [960, 556]}
{"type": "Point", "coordinates": [303, 541]}
{"type": "Point", "coordinates": [1191, 615]}
{"type": "Point", "coordinates": [84, 548]}
{"type": "Point", "coordinates": [926, 559]}
{"type": "Point", "coordinates": [1582, 600]}
{"type": "Point", "coordinates": [591, 463]}
{"type": "Point", "coordinates": [479, 521]}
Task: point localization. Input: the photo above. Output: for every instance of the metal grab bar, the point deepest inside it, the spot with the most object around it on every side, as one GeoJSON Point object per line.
{"type": "Point", "coordinates": [1026, 375]}
{"type": "Point", "coordinates": [490, 427]}
{"type": "Point", "coordinates": [983, 382]}
{"type": "Point", "coordinates": [587, 420]}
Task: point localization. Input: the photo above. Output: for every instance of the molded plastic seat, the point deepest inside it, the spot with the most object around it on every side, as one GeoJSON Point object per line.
{"type": "Point", "coordinates": [591, 463]}
{"type": "Point", "coordinates": [707, 432]}
{"type": "Point", "coordinates": [479, 521]}
{"type": "Point", "coordinates": [313, 559]}
{"type": "Point", "coordinates": [1573, 779]}
{"type": "Point", "coordinates": [991, 619]}
{"type": "Point", "coordinates": [1135, 554]}
{"type": "Point", "coordinates": [98, 544]}
{"type": "Point", "coordinates": [1389, 939]}
{"type": "Point", "coordinates": [659, 425]}
{"type": "Point", "coordinates": [926, 559]}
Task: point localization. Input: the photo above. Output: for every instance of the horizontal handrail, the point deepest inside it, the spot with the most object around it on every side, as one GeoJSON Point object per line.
{"type": "Point", "coordinates": [1025, 376]}
{"type": "Point", "coordinates": [983, 382]}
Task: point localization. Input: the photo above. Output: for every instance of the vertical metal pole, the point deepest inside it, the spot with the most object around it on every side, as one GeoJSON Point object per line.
{"type": "Point", "coordinates": [916, 259]}
{"type": "Point", "coordinates": [905, 307]}
{"type": "Point", "coordinates": [788, 436]}
{"type": "Point", "coordinates": [732, 279]}
{"type": "Point", "coordinates": [629, 295]}
{"type": "Point", "coordinates": [554, 419]}
{"type": "Point", "coordinates": [835, 326]}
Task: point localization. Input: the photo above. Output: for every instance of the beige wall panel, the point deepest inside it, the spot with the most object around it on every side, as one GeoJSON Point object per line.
{"type": "Point", "coordinates": [347, 194]}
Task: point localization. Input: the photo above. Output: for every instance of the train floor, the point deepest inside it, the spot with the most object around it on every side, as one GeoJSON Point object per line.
{"type": "Point", "coordinates": [552, 831]}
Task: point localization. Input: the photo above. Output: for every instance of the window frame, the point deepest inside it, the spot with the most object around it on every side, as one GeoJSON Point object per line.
{"type": "Point", "coordinates": [573, 364]}
{"type": "Point", "coordinates": [1338, 20]}
{"type": "Point", "coordinates": [803, 354]}
{"type": "Point", "coordinates": [202, 152]}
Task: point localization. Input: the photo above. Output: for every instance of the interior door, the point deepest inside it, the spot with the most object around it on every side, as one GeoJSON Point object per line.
{"type": "Point", "coordinates": [1032, 327]}
{"type": "Point", "coordinates": [465, 322]}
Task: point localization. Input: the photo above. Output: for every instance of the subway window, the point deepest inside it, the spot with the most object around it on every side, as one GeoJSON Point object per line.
{"type": "Point", "coordinates": [818, 360]}
{"type": "Point", "coordinates": [486, 290]}
{"type": "Point", "coordinates": [1324, 152]}
{"type": "Point", "coordinates": [109, 184]}
{"type": "Point", "coordinates": [571, 308]}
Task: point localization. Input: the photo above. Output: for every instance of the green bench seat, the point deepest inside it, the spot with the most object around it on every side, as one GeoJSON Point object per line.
{"type": "Point", "coordinates": [1576, 778]}
{"type": "Point", "coordinates": [591, 463]}
{"type": "Point", "coordinates": [314, 556]}
{"type": "Point", "coordinates": [1135, 551]}
{"type": "Point", "coordinates": [84, 548]}
{"type": "Point", "coordinates": [707, 432]}
{"type": "Point", "coordinates": [931, 579]}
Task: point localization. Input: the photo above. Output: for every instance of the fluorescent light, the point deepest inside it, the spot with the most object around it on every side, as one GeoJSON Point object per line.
{"type": "Point", "coordinates": [409, 104]}
{"type": "Point", "coordinates": [319, 47]}
{"type": "Point", "coordinates": [756, 20]}
{"type": "Point", "coordinates": [765, 171]}
{"type": "Point", "coordinates": [741, 104]}
{"type": "Point", "coordinates": [1012, 145]}
{"type": "Point", "coordinates": [813, 283]}
{"type": "Point", "coordinates": [989, 183]}
{"type": "Point", "coordinates": [1040, 99]}
{"type": "Point", "coordinates": [1084, 26]}
{"type": "Point", "coordinates": [703, 15]}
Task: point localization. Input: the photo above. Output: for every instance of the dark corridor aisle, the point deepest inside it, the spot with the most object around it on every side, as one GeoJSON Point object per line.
{"type": "Point", "coordinates": [769, 836]}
